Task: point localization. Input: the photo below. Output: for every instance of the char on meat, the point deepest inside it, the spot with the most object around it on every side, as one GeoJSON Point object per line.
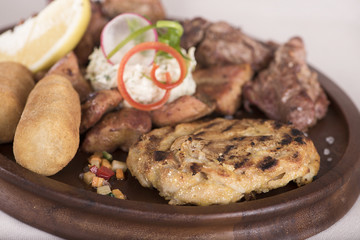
{"type": "Point", "coordinates": [220, 43]}
{"type": "Point", "coordinates": [97, 104]}
{"type": "Point", "coordinates": [288, 90]}
{"type": "Point", "coordinates": [184, 109]}
{"type": "Point", "coordinates": [119, 129]}
{"type": "Point", "coordinates": [68, 67]}
{"type": "Point", "coordinates": [223, 84]}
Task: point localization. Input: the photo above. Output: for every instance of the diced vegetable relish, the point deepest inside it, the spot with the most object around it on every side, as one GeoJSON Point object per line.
{"type": "Point", "coordinates": [100, 170]}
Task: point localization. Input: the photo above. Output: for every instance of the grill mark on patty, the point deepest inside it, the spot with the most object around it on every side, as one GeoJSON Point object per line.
{"type": "Point", "coordinates": [195, 168]}
{"type": "Point", "coordinates": [240, 164]}
{"type": "Point", "coordinates": [221, 158]}
{"type": "Point", "coordinates": [295, 132]}
{"type": "Point", "coordinates": [160, 156]}
{"type": "Point", "coordinates": [211, 125]}
{"type": "Point", "coordinates": [228, 128]}
{"type": "Point", "coordinates": [278, 124]}
{"type": "Point", "coordinates": [228, 149]}
{"type": "Point", "coordinates": [300, 140]}
{"type": "Point", "coordinates": [264, 138]}
{"type": "Point", "coordinates": [199, 134]}
{"type": "Point", "coordinates": [287, 139]}
{"type": "Point", "coordinates": [198, 139]}
{"type": "Point", "coordinates": [239, 138]}
{"type": "Point", "coordinates": [267, 163]}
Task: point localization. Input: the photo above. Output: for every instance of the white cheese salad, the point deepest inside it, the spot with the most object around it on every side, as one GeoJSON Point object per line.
{"type": "Point", "coordinates": [103, 75]}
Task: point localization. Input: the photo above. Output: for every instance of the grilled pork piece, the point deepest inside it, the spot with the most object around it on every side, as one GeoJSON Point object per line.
{"type": "Point", "coordinates": [194, 32]}
{"type": "Point", "coordinates": [220, 43]}
{"type": "Point", "coordinates": [184, 109]}
{"type": "Point", "coordinates": [288, 90]}
{"type": "Point", "coordinates": [68, 67]}
{"type": "Point", "coordinates": [118, 129]}
{"type": "Point", "coordinates": [97, 104]}
{"type": "Point", "coordinates": [91, 37]}
{"type": "Point", "coordinates": [151, 9]}
{"type": "Point", "coordinates": [220, 161]}
{"type": "Point", "coordinates": [223, 84]}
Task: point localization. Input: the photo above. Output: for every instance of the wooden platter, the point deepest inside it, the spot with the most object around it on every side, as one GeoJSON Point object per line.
{"type": "Point", "coordinates": [61, 205]}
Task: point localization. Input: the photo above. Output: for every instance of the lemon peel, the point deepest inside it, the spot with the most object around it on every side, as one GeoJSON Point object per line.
{"type": "Point", "coordinates": [43, 39]}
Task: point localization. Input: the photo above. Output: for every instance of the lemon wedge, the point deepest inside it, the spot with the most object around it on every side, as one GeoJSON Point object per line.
{"type": "Point", "coordinates": [42, 40]}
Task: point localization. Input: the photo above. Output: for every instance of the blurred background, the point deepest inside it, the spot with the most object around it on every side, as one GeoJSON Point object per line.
{"type": "Point", "coordinates": [330, 28]}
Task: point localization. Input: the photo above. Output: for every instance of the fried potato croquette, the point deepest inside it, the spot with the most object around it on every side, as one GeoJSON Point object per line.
{"type": "Point", "coordinates": [47, 136]}
{"type": "Point", "coordinates": [16, 82]}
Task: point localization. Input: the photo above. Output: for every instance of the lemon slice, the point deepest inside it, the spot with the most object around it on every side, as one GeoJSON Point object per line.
{"type": "Point", "coordinates": [42, 40]}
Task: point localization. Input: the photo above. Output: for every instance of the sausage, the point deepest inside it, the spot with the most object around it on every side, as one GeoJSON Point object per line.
{"type": "Point", "coordinates": [16, 82]}
{"type": "Point", "coordinates": [47, 136]}
{"type": "Point", "coordinates": [68, 67]}
{"type": "Point", "coordinates": [184, 109]}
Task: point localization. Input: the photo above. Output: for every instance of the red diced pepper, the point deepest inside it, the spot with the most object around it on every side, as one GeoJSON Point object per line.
{"type": "Point", "coordinates": [93, 169]}
{"type": "Point", "coordinates": [105, 172]}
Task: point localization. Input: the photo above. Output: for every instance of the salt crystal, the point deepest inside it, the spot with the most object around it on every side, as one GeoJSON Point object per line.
{"type": "Point", "coordinates": [326, 151]}
{"type": "Point", "coordinates": [330, 140]}
{"type": "Point", "coordinates": [329, 159]}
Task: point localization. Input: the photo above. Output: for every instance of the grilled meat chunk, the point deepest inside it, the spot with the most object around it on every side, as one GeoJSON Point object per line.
{"type": "Point", "coordinates": [152, 9]}
{"type": "Point", "coordinates": [223, 84]}
{"type": "Point", "coordinates": [194, 31]}
{"type": "Point", "coordinates": [221, 161]}
{"type": "Point", "coordinates": [91, 37]}
{"type": "Point", "coordinates": [288, 90]}
{"type": "Point", "coordinates": [220, 43]}
{"type": "Point", "coordinates": [184, 109]}
{"type": "Point", "coordinates": [97, 104]}
{"type": "Point", "coordinates": [119, 129]}
{"type": "Point", "coordinates": [68, 67]}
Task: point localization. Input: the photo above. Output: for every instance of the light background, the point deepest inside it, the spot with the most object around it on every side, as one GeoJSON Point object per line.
{"type": "Point", "coordinates": [330, 29]}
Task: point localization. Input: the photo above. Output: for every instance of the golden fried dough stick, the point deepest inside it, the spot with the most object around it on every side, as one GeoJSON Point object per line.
{"type": "Point", "coordinates": [16, 82]}
{"type": "Point", "coordinates": [47, 136]}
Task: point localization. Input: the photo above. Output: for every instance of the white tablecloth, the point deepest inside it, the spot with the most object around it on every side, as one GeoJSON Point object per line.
{"type": "Point", "coordinates": [330, 29]}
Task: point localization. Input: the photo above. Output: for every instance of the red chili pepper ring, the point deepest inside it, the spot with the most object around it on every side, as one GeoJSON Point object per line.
{"type": "Point", "coordinates": [167, 86]}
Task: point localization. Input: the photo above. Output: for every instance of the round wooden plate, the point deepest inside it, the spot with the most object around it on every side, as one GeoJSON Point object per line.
{"type": "Point", "coordinates": [62, 205]}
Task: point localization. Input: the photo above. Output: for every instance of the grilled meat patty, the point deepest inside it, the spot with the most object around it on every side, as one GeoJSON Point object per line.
{"type": "Point", "coordinates": [220, 161]}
